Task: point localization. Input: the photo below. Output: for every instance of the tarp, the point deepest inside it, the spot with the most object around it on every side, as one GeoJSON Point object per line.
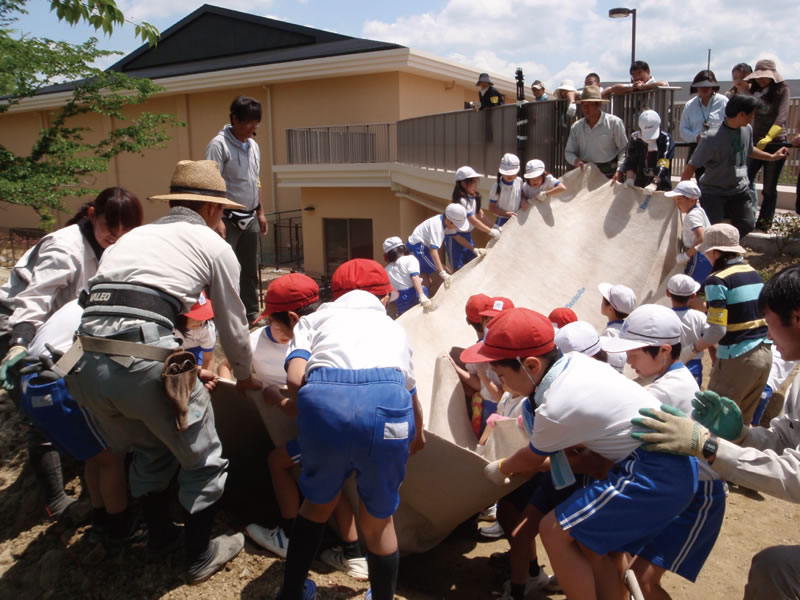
{"type": "Point", "coordinates": [553, 255]}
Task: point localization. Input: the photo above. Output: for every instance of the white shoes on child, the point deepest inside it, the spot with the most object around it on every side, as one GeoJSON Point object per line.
{"type": "Point", "coordinates": [354, 567]}
{"type": "Point", "coordinates": [495, 530]}
{"type": "Point", "coordinates": [275, 540]}
{"type": "Point", "coordinates": [490, 514]}
{"type": "Point", "coordinates": [542, 582]}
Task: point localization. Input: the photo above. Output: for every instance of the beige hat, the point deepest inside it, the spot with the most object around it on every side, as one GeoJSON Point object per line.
{"type": "Point", "coordinates": [200, 181]}
{"type": "Point", "coordinates": [723, 237]}
{"type": "Point", "coordinates": [765, 68]}
{"type": "Point", "coordinates": [591, 93]}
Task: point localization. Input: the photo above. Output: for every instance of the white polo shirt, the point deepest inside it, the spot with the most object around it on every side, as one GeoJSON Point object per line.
{"type": "Point", "coordinates": [401, 271]}
{"type": "Point", "coordinates": [353, 332]}
{"type": "Point", "coordinates": [583, 401]}
{"type": "Point", "coordinates": [692, 324]}
{"type": "Point", "coordinates": [507, 196]}
{"type": "Point", "coordinates": [696, 217]}
{"type": "Point", "coordinates": [430, 232]}
{"type": "Point", "coordinates": [471, 206]}
{"type": "Point", "coordinates": [531, 191]}
{"type": "Point", "coordinates": [269, 357]}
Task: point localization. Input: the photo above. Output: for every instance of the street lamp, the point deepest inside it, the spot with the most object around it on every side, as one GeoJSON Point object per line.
{"type": "Point", "coordinates": [621, 13]}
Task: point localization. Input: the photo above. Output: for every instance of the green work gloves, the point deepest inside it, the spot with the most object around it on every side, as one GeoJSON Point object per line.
{"type": "Point", "coordinates": [771, 135]}
{"type": "Point", "coordinates": [14, 355]}
{"type": "Point", "coordinates": [719, 414]}
{"type": "Point", "coordinates": [672, 432]}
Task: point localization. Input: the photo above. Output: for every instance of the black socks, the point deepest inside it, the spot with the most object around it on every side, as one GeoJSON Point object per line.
{"type": "Point", "coordinates": [305, 539]}
{"type": "Point", "coordinates": [383, 574]}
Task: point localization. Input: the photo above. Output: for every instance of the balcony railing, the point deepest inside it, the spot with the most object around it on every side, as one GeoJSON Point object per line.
{"type": "Point", "coordinates": [342, 144]}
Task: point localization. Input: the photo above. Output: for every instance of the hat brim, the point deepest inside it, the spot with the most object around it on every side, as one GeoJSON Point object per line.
{"type": "Point", "coordinates": [585, 100]}
{"type": "Point", "coordinates": [202, 313]}
{"type": "Point", "coordinates": [390, 248]}
{"type": "Point", "coordinates": [675, 193]}
{"type": "Point", "coordinates": [604, 289]}
{"type": "Point", "coordinates": [653, 135]}
{"type": "Point", "coordinates": [774, 75]}
{"type": "Point", "coordinates": [534, 174]}
{"type": "Point", "coordinates": [478, 353]}
{"type": "Point", "coordinates": [737, 249]}
{"type": "Point", "coordinates": [460, 228]}
{"type": "Point", "coordinates": [705, 84]}
{"type": "Point", "coordinates": [685, 292]}
{"type": "Point", "coordinates": [617, 344]}
{"type": "Point", "coordinates": [508, 171]}
{"type": "Point", "coordinates": [199, 198]}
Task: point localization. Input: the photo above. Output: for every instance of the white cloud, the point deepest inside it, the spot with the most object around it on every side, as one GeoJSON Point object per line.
{"type": "Point", "coordinates": [150, 10]}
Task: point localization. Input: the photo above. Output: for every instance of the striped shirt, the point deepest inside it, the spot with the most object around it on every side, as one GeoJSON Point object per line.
{"type": "Point", "coordinates": [732, 296]}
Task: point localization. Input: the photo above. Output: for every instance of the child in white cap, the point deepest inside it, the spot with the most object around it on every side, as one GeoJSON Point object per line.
{"type": "Point", "coordinates": [693, 227]}
{"type": "Point", "coordinates": [580, 336]}
{"type": "Point", "coordinates": [506, 194]}
{"type": "Point", "coordinates": [618, 302]}
{"type": "Point", "coordinates": [404, 274]}
{"type": "Point", "coordinates": [459, 245]}
{"type": "Point", "coordinates": [681, 289]}
{"type": "Point", "coordinates": [429, 236]}
{"type": "Point", "coordinates": [651, 337]}
{"type": "Point", "coordinates": [539, 184]}
{"type": "Point", "coordinates": [649, 155]}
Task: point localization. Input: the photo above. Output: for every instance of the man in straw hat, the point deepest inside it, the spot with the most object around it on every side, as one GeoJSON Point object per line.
{"type": "Point", "coordinates": [143, 284]}
{"type": "Point", "coordinates": [598, 137]}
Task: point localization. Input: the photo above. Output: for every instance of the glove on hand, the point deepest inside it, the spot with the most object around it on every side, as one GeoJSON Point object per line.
{"type": "Point", "coordinates": [542, 196]}
{"type": "Point", "coordinates": [494, 474]}
{"type": "Point", "coordinates": [771, 134]}
{"type": "Point", "coordinates": [479, 252]}
{"type": "Point", "coordinates": [446, 277]}
{"type": "Point", "coordinates": [14, 355]}
{"type": "Point", "coordinates": [650, 188]}
{"type": "Point", "coordinates": [719, 414]}
{"type": "Point", "coordinates": [425, 302]}
{"type": "Point", "coordinates": [682, 258]}
{"type": "Point", "coordinates": [672, 431]}
{"type": "Point", "coordinates": [494, 233]}
{"type": "Point", "coordinates": [628, 182]}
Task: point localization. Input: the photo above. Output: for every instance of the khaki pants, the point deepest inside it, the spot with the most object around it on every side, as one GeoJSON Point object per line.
{"type": "Point", "coordinates": [742, 379]}
{"type": "Point", "coordinates": [774, 574]}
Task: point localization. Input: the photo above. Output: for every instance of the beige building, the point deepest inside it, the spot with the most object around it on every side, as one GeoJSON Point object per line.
{"type": "Point", "coordinates": [304, 78]}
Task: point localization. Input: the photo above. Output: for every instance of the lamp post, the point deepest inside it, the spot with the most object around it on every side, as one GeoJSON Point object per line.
{"type": "Point", "coordinates": [621, 13]}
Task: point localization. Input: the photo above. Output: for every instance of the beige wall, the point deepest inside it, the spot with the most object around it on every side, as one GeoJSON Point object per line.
{"type": "Point", "coordinates": [424, 96]}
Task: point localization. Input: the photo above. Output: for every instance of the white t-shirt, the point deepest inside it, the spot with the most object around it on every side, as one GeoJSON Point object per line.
{"type": "Point", "coordinates": [430, 232]}
{"type": "Point", "coordinates": [615, 359]}
{"type": "Point", "coordinates": [693, 219]}
{"type": "Point", "coordinates": [506, 195]}
{"type": "Point", "coordinates": [692, 324]}
{"type": "Point", "coordinates": [353, 332]}
{"type": "Point", "coordinates": [676, 387]}
{"type": "Point", "coordinates": [483, 368]}
{"type": "Point", "coordinates": [531, 191]}
{"type": "Point", "coordinates": [401, 271]}
{"type": "Point", "coordinates": [204, 337]}
{"type": "Point", "coordinates": [58, 331]}
{"type": "Point", "coordinates": [471, 206]}
{"type": "Point", "coordinates": [780, 370]}
{"type": "Point", "coordinates": [269, 357]}
{"type": "Point", "coordinates": [510, 405]}
{"type": "Point", "coordinates": [583, 401]}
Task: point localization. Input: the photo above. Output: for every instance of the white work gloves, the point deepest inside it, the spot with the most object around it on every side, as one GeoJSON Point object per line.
{"type": "Point", "coordinates": [425, 301]}
{"type": "Point", "coordinates": [445, 279]}
{"type": "Point", "coordinates": [542, 196]}
{"type": "Point", "coordinates": [572, 109]}
{"type": "Point", "coordinates": [682, 258]}
{"type": "Point", "coordinates": [494, 474]}
{"type": "Point", "coordinates": [478, 252]}
{"type": "Point", "coordinates": [494, 233]}
{"type": "Point", "coordinates": [628, 182]}
{"type": "Point", "coordinates": [650, 188]}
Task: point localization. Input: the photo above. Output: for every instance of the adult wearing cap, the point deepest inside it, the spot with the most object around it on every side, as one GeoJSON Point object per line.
{"type": "Point", "coordinates": [358, 412]}
{"type": "Point", "coordinates": [539, 93]}
{"type": "Point", "coordinates": [404, 274]}
{"type": "Point", "coordinates": [755, 457]}
{"type": "Point", "coordinates": [723, 154]}
{"type": "Point", "coordinates": [598, 137]}
{"type": "Point", "coordinates": [429, 236]}
{"type": "Point", "coordinates": [238, 158]}
{"type": "Point", "coordinates": [734, 321]}
{"type": "Point", "coordinates": [648, 158]}
{"type": "Point", "coordinates": [488, 95]}
{"type": "Point", "coordinates": [705, 112]}
{"type": "Point", "coordinates": [769, 130]}
{"type": "Point", "coordinates": [459, 245]}
{"type": "Point", "coordinates": [154, 274]}
{"type": "Point", "coordinates": [580, 401]}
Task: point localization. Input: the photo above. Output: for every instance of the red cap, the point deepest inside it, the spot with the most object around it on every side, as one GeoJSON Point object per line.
{"type": "Point", "coordinates": [517, 332]}
{"type": "Point", "coordinates": [476, 304]}
{"type": "Point", "coordinates": [562, 315]}
{"type": "Point", "coordinates": [496, 305]}
{"type": "Point", "coordinates": [289, 292]}
{"type": "Point", "coordinates": [360, 274]}
{"type": "Point", "coordinates": [203, 310]}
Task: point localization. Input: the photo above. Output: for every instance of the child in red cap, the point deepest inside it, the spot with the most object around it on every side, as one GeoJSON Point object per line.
{"type": "Point", "coordinates": [199, 333]}
{"type": "Point", "coordinates": [357, 411]}
{"type": "Point", "coordinates": [581, 401]}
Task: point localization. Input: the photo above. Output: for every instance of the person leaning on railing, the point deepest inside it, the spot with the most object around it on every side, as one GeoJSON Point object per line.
{"type": "Point", "coordinates": [598, 137]}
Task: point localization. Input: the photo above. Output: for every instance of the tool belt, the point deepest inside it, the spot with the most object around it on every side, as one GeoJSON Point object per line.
{"type": "Point", "coordinates": [240, 218]}
{"type": "Point", "coordinates": [129, 300]}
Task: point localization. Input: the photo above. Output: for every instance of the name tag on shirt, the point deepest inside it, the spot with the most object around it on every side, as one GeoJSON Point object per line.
{"type": "Point", "coordinates": [741, 172]}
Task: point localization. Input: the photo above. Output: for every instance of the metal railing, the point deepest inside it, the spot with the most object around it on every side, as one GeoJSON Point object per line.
{"type": "Point", "coordinates": [283, 244]}
{"type": "Point", "coordinates": [342, 144]}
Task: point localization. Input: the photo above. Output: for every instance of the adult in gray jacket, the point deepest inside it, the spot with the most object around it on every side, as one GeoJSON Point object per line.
{"type": "Point", "coordinates": [763, 459]}
{"type": "Point", "coordinates": [239, 160]}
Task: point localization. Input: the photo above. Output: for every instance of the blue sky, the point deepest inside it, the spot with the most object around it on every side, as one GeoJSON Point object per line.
{"type": "Point", "coordinates": [551, 39]}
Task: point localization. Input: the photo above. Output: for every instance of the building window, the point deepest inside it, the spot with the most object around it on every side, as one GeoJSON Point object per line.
{"type": "Point", "coordinates": [346, 239]}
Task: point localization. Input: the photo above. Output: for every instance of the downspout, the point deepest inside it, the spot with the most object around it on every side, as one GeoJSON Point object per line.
{"type": "Point", "coordinates": [273, 183]}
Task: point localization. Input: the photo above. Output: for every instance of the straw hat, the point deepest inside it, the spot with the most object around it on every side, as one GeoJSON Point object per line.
{"type": "Point", "coordinates": [591, 93]}
{"type": "Point", "coordinates": [765, 68]}
{"type": "Point", "coordinates": [200, 181]}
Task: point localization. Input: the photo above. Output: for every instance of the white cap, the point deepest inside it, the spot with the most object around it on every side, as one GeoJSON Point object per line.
{"type": "Point", "coordinates": [648, 325]}
{"type": "Point", "coordinates": [649, 125]}
{"type": "Point", "coordinates": [685, 188]}
{"type": "Point", "coordinates": [578, 336]}
{"type": "Point", "coordinates": [458, 215]}
{"type": "Point", "coordinates": [391, 243]}
{"type": "Point", "coordinates": [466, 172]}
{"type": "Point", "coordinates": [567, 85]}
{"type": "Point", "coordinates": [682, 285]}
{"type": "Point", "coordinates": [621, 297]}
{"type": "Point", "coordinates": [509, 164]}
{"type": "Point", "coordinates": [534, 168]}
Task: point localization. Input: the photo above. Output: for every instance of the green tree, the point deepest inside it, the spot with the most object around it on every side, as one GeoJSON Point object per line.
{"type": "Point", "coordinates": [61, 159]}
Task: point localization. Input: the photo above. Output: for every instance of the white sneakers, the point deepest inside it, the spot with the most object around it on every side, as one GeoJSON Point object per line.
{"type": "Point", "coordinates": [354, 567]}
{"type": "Point", "coordinates": [490, 514]}
{"type": "Point", "coordinates": [495, 530]}
{"type": "Point", "coordinates": [542, 582]}
{"type": "Point", "coordinates": [275, 540]}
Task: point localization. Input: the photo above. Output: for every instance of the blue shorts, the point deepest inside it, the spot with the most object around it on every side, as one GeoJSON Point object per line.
{"type": "Point", "coordinates": [457, 254]}
{"type": "Point", "coordinates": [685, 544]}
{"type": "Point", "coordinates": [408, 299]}
{"type": "Point", "coordinates": [762, 405]}
{"type": "Point", "coordinates": [358, 421]}
{"type": "Point", "coordinates": [63, 421]}
{"type": "Point", "coordinates": [540, 492]}
{"type": "Point", "coordinates": [695, 367]}
{"type": "Point", "coordinates": [500, 221]}
{"type": "Point", "coordinates": [423, 254]}
{"type": "Point", "coordinates": [641, 496]}
{"type": "Point", "coordinates": [293, 450]}
{"type": "Point", "coordinates": [698, 268]}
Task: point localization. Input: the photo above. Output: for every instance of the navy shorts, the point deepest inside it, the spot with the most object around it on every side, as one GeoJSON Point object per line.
{"type": "Point", "coordinates": [500, 221]}
{"type": "Point", "coordinates": [685, 544]}
{"type": "Point", "coordinates": [457, 254]}
{"type": "Point", "coordinates": [63, 421]}
{"type": "Point", "coordinates": [698, 268]}
{"type": "Point", "coordinates": [293, 450]}
{"type": "Point", "coordinates": [641, 496]}
{"type": "Point", "coordinates": [407, 299]}
{"type": "Point", "coordinates": [695, 367]}
{"type": "Point", "coordinates": [423, 254]}
{"type": "Point", "coordinates": [355, 421]}
{"type": "Point", "coordinates": [540, 492]}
